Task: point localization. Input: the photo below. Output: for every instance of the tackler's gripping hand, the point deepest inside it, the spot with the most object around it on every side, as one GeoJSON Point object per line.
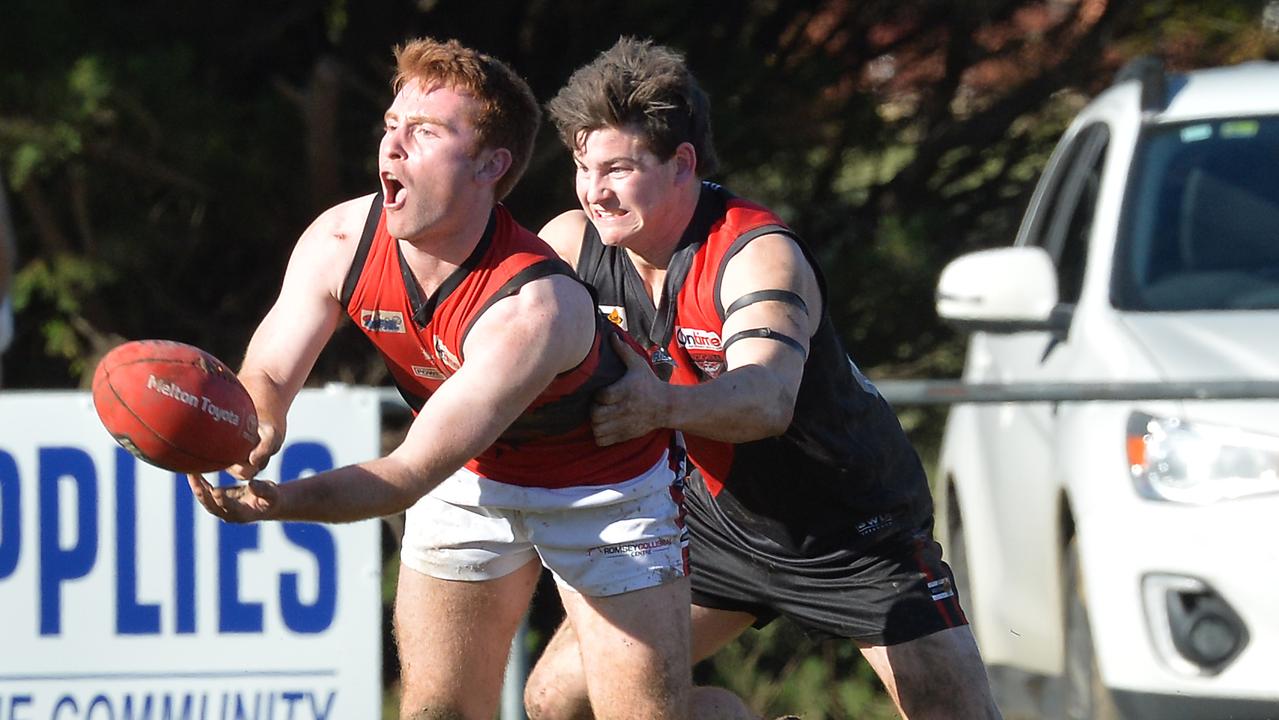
{"type": "Point", "coordinates": [634, 405]}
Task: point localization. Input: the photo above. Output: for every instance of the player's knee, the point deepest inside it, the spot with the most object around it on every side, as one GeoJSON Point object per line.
{"type": "Point", "coordinates": [544, 699]}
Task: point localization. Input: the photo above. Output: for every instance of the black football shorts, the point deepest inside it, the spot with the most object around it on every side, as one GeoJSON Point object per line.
{"type": "Point", "coordinates": [893, 592]}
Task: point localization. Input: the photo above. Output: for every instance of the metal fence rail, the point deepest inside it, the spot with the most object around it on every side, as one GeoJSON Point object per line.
{"type": "Point", "coordinates": [954, 392]}
{"type": "Point", "coordinates": [951, 392]}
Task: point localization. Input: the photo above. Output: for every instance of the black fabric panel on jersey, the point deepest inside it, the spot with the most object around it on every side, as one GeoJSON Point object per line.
{"type": "Point", "coordinates": [412, 399]}
{"type": "Point", "coordinates": [362, 251]}
{"type": "Point", "coordinates": [424, 307]}
{"type": "Point", "coordinates": [616, 281]}
{"type": "Point", "coordinates": [562, 415]}
{"type": "Point", "coordinates": [843, 475]}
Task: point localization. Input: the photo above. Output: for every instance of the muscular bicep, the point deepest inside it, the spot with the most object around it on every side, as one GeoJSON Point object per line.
{"type": "Point", "coordinates": [773, 304]}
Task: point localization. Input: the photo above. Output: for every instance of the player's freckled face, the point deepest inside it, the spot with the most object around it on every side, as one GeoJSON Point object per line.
{"type": "Point", "coordinates": [623, 187]}
{"type": "Point", "coordinates": [426, 160]}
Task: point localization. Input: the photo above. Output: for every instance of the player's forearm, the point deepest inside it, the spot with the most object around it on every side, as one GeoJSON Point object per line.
{"type": "Point", "coordinates": [747, 403]}
{"type": "Point", "coordinates": [348, 494]}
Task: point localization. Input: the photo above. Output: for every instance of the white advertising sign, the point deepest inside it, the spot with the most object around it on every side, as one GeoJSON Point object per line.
{"type": "Point", "coordinates": [122, 599]}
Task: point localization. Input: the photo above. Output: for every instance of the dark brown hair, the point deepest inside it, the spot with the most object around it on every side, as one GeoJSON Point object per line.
{"type": "Point", "coordinates": [638, 86]}
{"type": "Point", "coordinates": [508, 115]}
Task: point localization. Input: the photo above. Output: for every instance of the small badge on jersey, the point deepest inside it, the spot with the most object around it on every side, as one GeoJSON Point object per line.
{"type": "Point", "coordinates": [388, 321]}
{"type": "Point", "coordinates": [430, 373]}
{"type": "Point", "coordinates": [616, 314]}
{"type": "Point", "coordinates": [446, 357]}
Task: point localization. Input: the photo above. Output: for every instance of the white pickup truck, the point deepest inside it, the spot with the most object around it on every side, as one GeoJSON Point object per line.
{"type": "Point", "coordinates": [1120, 558]}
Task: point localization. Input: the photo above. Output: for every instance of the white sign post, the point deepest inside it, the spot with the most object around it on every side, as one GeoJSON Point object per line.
{"type": "Point", "coordinates": [123, 600]}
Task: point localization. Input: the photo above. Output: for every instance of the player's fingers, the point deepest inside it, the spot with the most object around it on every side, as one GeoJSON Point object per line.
{"type": "Point", "coordinates": [628, 354]}
{"type": "Point", "coordinates": [267, 492]}
{"type": "Point", "coordinates": [204, 493]}
{"type": "Point", "coordinates": [196, 482]}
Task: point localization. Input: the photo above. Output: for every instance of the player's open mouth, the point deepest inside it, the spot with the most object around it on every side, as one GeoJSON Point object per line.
{"type": "Point", "coordinates": [394, 193]}
{"type": "Point", "coordinates": [606, 214]}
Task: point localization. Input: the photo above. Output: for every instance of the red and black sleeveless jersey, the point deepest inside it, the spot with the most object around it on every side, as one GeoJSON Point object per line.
{"type": "Point", "coordinates": [844, 473]}
{"type": "Point", "coordinates": [420, 338]}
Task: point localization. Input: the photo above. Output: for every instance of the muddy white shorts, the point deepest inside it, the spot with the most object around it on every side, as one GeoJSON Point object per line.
{"type": "Point", "coordinates": [598, 540]}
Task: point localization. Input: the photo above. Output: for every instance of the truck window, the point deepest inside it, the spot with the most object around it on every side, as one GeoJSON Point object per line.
{"type": "Point", "coordinates": [1067, 219]}
{"type": "Point", "coordinates": [1200, 230]}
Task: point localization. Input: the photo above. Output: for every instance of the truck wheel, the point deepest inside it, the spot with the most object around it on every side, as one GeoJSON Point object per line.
{"type": "Point", "coordinates": [1086, 697]}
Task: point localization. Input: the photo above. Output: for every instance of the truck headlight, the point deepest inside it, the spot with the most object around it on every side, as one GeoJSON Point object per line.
{"type": "Point", "coordinates": [1199, 463]}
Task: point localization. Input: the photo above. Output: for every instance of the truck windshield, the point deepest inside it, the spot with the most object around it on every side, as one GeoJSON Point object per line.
{"type": "Point", "coordinates": [1200, 228]}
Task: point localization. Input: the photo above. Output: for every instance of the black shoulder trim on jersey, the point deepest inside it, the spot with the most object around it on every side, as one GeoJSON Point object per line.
{"type": "Point", "coordinates": [767, 334]}
{"type": "Point", "coordinates": [785, 296]}
{"type": "Point", "coordinates": [362, 252]}
{"type": "Point", "coordinates": [540, 269]}
{"type": "Point", "coordinates": [590, 255]}
{"type": "Point", "coordinates": [736, 246]}
{"type": "Point", "coordinates": [571, 411]}
{"type": "Point", "coordinates": [413, 400]}
{"type": "Point", "coordinates": [424, 308]}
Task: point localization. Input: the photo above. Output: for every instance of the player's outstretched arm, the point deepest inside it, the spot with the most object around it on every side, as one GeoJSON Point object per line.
{"type": "Point", "coordinates": [286, 343]}
{"type": "Point", "coordinates": [767, 344]}
{"type": "Point", "coordinates": [511, 355]}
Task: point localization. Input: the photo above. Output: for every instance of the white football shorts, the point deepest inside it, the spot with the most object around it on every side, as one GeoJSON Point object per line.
{"type": "Point", "coordinates": [598, 541]}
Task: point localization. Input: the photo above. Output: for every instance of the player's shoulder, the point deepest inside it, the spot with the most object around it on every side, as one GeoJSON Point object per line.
{"type": "Point", "coordinates": [769, 247]}
{"type": "Point", "coordinates": [345, 221]}
{"type": "Point", "coordinates": [564, 234]}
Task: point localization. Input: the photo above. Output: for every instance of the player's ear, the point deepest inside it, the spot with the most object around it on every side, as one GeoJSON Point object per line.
{"type": "Point", "coordinates": [685, 162]}
{"type": "Point", "coordinates": [493, 164]}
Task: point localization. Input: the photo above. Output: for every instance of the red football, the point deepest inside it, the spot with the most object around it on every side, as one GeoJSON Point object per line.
{"type": "Point", "coordinates": [174, 406]}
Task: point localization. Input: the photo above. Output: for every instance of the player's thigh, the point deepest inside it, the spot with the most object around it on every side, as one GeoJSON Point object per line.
{"type": "Point", "coordinates": [635, 650]}
{"type": "Point", "coordinates": [454, 638]}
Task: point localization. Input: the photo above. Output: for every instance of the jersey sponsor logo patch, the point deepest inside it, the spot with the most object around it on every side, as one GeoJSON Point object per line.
{"type": "Point", "coordinates": [431, 373]}
{"type": "Point", "coordinates": [704, 348]}
{"type": "Point", "coordinates": [694, 339]}
{"type": "Point", "coordinates": [442, 352]}
{"type": "Point", "coordinates": [616, 314]}
{"type": "Point", "coordinates": [388, 321]}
